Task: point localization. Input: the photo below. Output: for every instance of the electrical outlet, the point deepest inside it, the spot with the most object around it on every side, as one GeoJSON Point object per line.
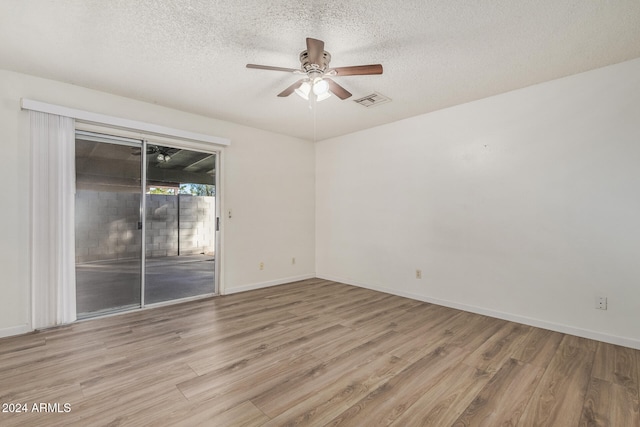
{"type": "Point", "coordinates": [418, 274]}
{"type": "Point", "coordinates": [601, 302]}
{"type": "Point", "coordinates": [261, 265]}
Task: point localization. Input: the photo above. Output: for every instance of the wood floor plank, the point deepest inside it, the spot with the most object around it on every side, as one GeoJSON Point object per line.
{"type": "Point", "coordinates": [421, 339]}
{"type": "Point", "coordinates": [470, 330]}
{"type": "Point", "coordinates": [245, 415]}
{"type": "Point", "coordinates": [445, 398]}
{"type": "Point", "coordinates": [390, 400]}
{"type": "Point", "coordinates": [35, 419]}
{"type": "Point", "coordinates": [381, 314]}
{"type": "Point", "coordinates": [598, 398]}
{"type": "Point", "coordinates": [502, 401]}
{"type": "Point", "coordinates": [133, 380]}
{"type": "Point", "coordinates": [330, 401]}
{"type": "Point", "coordinates": [637, 406]}
{"type": "Point", "coordinates": [288, 393]}
{"type": "Point", "coordinates": [229, 394]}
{"type": "Point", "coordinates": [498, 348]}
{"type": "Point", "coordinates": [617, 365]}
{"type": "Point", "coordinates": [315, 352]}
{"type": "Point", "coordinates": [139, 410]}
{"type": "Point", "coordinates": [42, 382]}
{"type": "Point", "coordinates": [612, 398]}
{"type": "Point", "coordinates": [349, 309]}
{"type": "Point", "coordinates": [269, 376]}
{"type": "Point", "coordinates": [559, 397]}
{"type": "Point", "coordinates": [45, 358]}
{"type": "Point", "coordinates": [423, 316]}
{"type": "Point", "coordinates": [15, 345]}
{"type": "Point", "coordinates": [280, 340]}
{"type": "Point", "coordinates": [579, 342]}
{"type": "Point", "coordinates": [216, 397]}
{"type": "Point", "coordinates": [255, 363]}
{"type": "Point", "coordinates": [538, 347]}
{"type": "Point", "coordinates": [609, 405]}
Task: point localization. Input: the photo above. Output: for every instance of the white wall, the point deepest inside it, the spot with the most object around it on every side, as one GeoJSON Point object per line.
{"type": "Point", "coordinates": [268, 183]}
{"type": "Point", "coordinates": [522, 206]}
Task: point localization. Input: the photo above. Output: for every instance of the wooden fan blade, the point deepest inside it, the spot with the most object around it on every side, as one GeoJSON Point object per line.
{"type": "Point", "coordinates": [337, 90]}
{"type": "Point", "coordinates": [288, 91]}
{"type": "Point", "coordinates": [357, 70]}
{"type": "Point", "coordinates": [315, 50]}
{"type": "Point", "coordinates": [267, 67]}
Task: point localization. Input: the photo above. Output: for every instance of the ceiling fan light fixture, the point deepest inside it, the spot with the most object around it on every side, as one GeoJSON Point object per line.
{"type": "Point", "coordinates": [320, 87]}
{"type": "Point", "coordinates": [323, 96]}
{"type": "Point", "coordinates": [163, 158]}
{"type": "Point", "coordinates": [303, 90]}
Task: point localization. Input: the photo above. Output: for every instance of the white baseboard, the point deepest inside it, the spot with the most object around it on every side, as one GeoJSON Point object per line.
{"type": "Point", "coordinates": [557, 327]}
{"type": "Point", "coordinates": [15, 330]}
{"type": "Point", "coordinates": [261, 285]}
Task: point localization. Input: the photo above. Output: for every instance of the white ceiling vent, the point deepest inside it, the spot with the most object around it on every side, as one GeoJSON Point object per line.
{"type": "Point", "coordinates": [372, 100]}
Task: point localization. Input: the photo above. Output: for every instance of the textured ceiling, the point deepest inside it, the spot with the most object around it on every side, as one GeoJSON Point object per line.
{"type": "Point", "coordinates": [191, 54]}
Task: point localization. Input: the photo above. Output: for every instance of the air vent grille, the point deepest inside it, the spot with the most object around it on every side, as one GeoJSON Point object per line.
{"type": "Point", "coordinates": [372, 100]}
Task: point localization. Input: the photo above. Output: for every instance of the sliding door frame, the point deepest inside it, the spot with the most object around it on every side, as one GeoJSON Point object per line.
{"type": "Point", "coordinates": [143, 221]}
{"type": "Point", "coordinates": [204, 147]}
{"type": "Point", "coordinates": [217, 217]}
{"type": "Point", "coordinates": [106, 138]}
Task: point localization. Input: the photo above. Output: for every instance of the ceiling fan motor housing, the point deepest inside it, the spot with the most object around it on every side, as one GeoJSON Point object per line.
{"type": "Point", "coordinates": [314, 70]}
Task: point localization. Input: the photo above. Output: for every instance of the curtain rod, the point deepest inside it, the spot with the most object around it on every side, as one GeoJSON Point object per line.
{"type": "Point", "coordinates": [88, 116]}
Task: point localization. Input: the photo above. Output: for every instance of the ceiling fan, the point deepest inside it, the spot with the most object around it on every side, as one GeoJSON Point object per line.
{"type": "Point", "coordinates": [315, 65]}
{"type": "Point", "coordinates": [164, 153]}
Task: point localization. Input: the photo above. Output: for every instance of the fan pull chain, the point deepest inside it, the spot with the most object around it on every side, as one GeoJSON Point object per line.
{"type": "Point", "coordinates": [313, 111]}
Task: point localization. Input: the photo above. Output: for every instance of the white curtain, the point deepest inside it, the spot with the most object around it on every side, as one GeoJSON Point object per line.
{"type": "Point", "coordinates": [52, 217]}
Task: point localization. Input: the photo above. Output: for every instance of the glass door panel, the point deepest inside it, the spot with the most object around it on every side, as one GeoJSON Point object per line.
{"type": "Point", "coordinates": [108, 229]}
{"type": "Point", "coordinates": [180, 224]}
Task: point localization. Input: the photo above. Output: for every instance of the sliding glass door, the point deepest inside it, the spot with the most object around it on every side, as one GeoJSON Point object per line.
{"type": "Point", "coordinates": [180, 223]}
{"type": "Point", "coordinates": [133, 251]}
{"type": "Point", "coordinates": [108, 229]}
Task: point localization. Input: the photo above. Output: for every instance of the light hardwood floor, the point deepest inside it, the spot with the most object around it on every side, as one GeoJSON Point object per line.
{"type": "Point", "coordinates": [316, 353]}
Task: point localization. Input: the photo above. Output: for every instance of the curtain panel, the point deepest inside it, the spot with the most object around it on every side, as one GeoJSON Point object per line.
{"type": "Point", "coordinates": [52, 218]}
